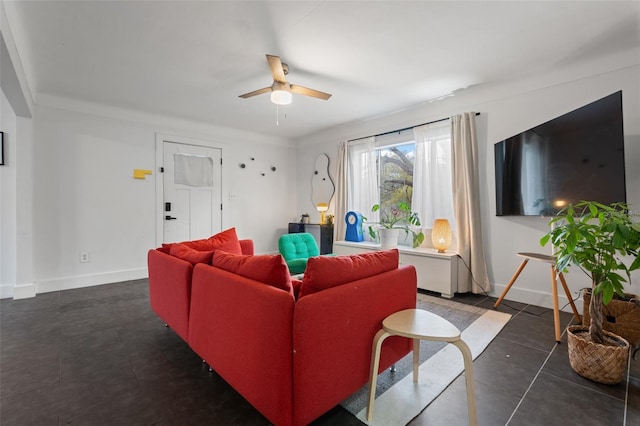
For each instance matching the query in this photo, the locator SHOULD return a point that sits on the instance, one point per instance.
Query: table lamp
(441, 235)
(322, 208)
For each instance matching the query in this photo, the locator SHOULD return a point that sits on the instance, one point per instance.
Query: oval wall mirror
(322, 187)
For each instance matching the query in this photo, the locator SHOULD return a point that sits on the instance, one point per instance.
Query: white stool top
(421, 324)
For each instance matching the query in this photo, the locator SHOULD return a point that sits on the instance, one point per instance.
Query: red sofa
(294, 359)
(170, 275)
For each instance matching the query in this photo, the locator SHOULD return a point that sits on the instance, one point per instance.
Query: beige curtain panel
(466, 200)
(339, 226)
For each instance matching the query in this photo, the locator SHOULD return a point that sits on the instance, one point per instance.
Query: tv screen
(577, 156)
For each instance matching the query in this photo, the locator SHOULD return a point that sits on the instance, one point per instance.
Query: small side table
(418, 324)
(554, 288)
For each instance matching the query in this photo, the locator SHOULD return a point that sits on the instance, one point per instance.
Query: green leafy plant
(399, 217)
(597, 238)
(329, 220)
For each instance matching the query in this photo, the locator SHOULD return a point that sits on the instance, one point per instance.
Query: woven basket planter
(601, 363)
(621, 317)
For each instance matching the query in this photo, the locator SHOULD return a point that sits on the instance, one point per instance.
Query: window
(412, 166)
(395, 175)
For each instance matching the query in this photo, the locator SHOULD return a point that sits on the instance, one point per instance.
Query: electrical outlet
(84, 258)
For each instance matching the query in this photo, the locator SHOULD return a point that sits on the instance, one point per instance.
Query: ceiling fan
(281, 90)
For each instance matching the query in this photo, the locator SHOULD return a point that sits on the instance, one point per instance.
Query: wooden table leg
(416, 359)
(513, 280)
(556, 308)
(375, 365)
(468, 377)
(568, 293)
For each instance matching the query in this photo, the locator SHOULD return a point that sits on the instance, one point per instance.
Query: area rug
(398, 399)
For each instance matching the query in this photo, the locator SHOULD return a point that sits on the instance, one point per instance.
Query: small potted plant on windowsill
(604, 241)
(398, 218)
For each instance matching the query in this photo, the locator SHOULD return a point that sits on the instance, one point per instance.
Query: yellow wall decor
(140, 173)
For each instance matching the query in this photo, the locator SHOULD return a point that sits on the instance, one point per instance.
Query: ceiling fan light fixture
(281, 97)
(281, 90)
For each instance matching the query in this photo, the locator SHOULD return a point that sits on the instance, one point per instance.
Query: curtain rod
(402, 130)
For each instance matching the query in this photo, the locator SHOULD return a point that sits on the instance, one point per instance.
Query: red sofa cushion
(165, 248)
(184, 252)
(245, 245)
(267, 268)
(201, 251)
(330, 271)
(226, 240)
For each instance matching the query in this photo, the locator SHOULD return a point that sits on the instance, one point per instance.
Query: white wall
(507, 110)
(8, 220)
(16, 229)
(16, 243)
(86, 200)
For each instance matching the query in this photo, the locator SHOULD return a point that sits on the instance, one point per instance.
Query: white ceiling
(192, 59)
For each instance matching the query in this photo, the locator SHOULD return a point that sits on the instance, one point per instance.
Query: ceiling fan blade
(256, 92)
(309, 92)
(276, 68)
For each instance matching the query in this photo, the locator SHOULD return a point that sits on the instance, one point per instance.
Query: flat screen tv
(577, 156)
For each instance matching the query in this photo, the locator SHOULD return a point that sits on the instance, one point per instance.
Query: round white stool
(418, 324)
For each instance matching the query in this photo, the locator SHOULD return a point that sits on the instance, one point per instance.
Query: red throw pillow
(267, 268)
(296, 284)
(324, 272)
(184, 252)
(165, 248)
(226, 240)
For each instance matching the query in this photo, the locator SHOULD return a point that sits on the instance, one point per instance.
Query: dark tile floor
(99, 356)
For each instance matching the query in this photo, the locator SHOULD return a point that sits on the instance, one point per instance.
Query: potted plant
(397, 218)
(603, 241)
(329, 221)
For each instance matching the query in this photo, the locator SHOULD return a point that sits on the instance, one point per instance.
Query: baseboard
(537, 298)
(24, 291)
(70, 283)
(6, 291)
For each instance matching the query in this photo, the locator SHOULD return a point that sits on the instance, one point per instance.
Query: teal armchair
(296, 249)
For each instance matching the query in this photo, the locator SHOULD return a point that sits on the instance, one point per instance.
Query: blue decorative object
(354, 227)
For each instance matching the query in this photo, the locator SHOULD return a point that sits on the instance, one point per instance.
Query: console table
(439, 272)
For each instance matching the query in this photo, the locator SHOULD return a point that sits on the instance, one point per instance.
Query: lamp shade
(281, 97)
(322, 207)
(441, 235)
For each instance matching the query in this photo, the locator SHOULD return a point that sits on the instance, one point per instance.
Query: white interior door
(192, 191)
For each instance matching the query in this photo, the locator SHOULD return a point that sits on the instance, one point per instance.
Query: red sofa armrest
(333, 332)
(170, 290)
(246, 246)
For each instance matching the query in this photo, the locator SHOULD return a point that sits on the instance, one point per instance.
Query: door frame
(161, 138)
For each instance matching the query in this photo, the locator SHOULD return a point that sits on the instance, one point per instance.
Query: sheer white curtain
(432, 173)
(341, 203)
(363, 192)
(466, 200)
